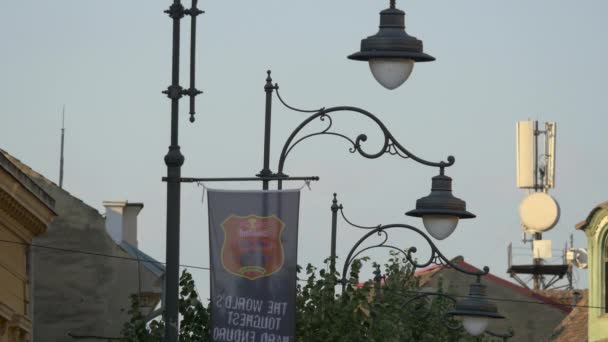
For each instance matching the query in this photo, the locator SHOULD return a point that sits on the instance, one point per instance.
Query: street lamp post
(391, 54)
(174, 161)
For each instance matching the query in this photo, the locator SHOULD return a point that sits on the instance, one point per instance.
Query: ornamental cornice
(597, 223)
(25, 180)
(16, 213)
(19, 329)
(15, 334)
(15, 327)
(6, 315)
(591, 223)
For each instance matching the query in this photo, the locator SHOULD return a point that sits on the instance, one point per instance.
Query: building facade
(531, 316)
(596, 229)
(25, 212)
(86, 267)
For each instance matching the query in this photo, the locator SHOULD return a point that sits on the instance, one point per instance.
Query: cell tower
(539, 212)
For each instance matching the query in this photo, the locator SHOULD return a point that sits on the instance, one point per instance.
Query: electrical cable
(97, 254)
(302, 280)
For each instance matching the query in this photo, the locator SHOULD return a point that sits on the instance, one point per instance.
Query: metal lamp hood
(476, 304)
(391, 41)
(441, 201)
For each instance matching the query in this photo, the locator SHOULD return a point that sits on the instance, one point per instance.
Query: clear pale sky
(497, 62)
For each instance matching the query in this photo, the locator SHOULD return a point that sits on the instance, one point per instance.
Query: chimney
(121, 220)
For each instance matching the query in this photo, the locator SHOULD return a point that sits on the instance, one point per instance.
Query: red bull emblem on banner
(252, 246)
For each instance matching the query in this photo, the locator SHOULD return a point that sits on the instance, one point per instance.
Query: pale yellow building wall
(597, 237)
(13, 279)
(23, 215)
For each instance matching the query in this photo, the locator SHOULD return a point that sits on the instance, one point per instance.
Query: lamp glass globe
(391, 72)
(475, 325)
(440, 226)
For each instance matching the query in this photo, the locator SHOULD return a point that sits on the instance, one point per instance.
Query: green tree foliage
(367, 312)
(194, 324)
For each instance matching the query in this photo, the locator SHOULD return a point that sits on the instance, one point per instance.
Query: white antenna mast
(539, 212)
(62, 143)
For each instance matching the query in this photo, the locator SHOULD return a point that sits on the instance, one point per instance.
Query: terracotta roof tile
(426, 274)
(573, 328)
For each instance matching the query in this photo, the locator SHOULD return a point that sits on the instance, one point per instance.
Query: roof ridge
(434, 269)
(149, 262)
(40, 177)
(9, 163)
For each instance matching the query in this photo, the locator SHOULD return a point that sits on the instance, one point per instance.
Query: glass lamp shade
(391, 72)
(440, 226)
(475, 325)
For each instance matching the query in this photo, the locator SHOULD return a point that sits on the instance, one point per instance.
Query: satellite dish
(580, 258)
(539, 212)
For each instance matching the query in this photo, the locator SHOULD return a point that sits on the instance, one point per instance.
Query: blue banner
(253, 239)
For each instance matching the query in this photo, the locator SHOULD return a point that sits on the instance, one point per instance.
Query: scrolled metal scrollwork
(276, 88)
(392, 150)
(389, 146)
(325, 131)
(341, 209)
(436, 257)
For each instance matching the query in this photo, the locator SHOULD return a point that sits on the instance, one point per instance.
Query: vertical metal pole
(192, 92)
(378, 283)
(174, 161)
(192, 60)
(268, 88)
(334, 232)
(61, 155)
(537, 277)
(536, 236)
(536, 133)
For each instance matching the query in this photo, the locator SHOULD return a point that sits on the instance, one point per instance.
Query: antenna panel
(526, 161)
(550, 153)
(542, 249)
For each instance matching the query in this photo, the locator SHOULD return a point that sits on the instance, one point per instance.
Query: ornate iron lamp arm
(390, 145)
(436, 256)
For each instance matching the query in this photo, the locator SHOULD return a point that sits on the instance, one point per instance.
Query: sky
(497, 63)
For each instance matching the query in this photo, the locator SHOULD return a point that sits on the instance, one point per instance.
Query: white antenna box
(550, 128)
(526, 154)
(542, 249)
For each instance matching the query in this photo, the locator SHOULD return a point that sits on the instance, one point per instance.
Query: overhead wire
(98, 254)
(303, 280)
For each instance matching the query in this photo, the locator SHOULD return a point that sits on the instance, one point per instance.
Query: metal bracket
(176, 11)
(243, 179)
(174, 92)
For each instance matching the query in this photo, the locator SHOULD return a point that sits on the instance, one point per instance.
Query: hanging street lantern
(391, 53)
(440, 210)
(475, 310)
